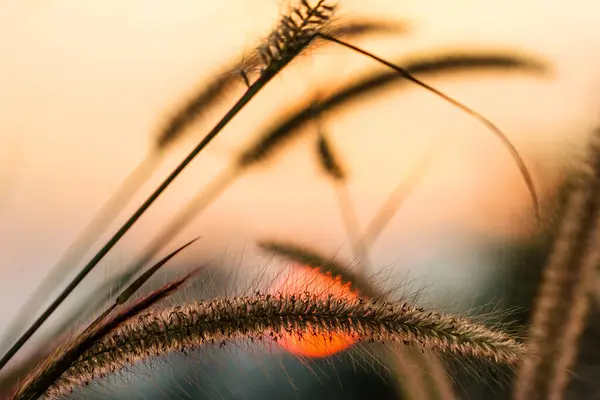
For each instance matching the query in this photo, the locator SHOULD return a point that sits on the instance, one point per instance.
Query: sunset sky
(85, 84)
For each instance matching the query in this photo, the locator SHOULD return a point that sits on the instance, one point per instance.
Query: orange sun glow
(316, 344)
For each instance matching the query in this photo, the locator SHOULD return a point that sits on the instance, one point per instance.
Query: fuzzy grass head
(318, 316)
(322, 309)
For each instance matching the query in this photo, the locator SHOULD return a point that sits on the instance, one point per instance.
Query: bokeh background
(84, 86)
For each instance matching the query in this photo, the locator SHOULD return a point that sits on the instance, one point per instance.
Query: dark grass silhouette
(563, 301)
(154, 331)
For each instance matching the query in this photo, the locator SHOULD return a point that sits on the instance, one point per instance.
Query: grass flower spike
(268, 317)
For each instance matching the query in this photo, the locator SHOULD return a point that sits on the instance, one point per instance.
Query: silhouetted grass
(143, 329)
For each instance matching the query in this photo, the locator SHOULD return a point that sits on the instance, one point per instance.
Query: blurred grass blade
(562, 303)
(135, 285)
(48, 371)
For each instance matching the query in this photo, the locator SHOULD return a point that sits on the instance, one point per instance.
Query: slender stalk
(250, 93)
(201, 200)
(398, 196)
(82, 244)
(492, 127)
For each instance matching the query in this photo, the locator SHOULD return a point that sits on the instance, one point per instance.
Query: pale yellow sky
(84, 84)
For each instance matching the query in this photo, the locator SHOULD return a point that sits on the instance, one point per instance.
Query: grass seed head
(266, 317)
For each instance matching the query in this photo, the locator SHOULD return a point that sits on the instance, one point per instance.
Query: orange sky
(85, 83)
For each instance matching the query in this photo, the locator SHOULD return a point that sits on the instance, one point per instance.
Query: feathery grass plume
(291, 126)
(267, 317)
(420, 372)
(292, 36)
(562, 302)
(52, 367)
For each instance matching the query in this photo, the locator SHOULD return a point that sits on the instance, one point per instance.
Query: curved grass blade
(49, 370)
(486, 122)
(135, 285)
(266, 145)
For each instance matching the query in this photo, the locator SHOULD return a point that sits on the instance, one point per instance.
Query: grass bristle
(404, 338)
(267, 317)
(415, 371)
(294, 33)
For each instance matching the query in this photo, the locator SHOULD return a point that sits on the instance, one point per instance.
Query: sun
(315, 344)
